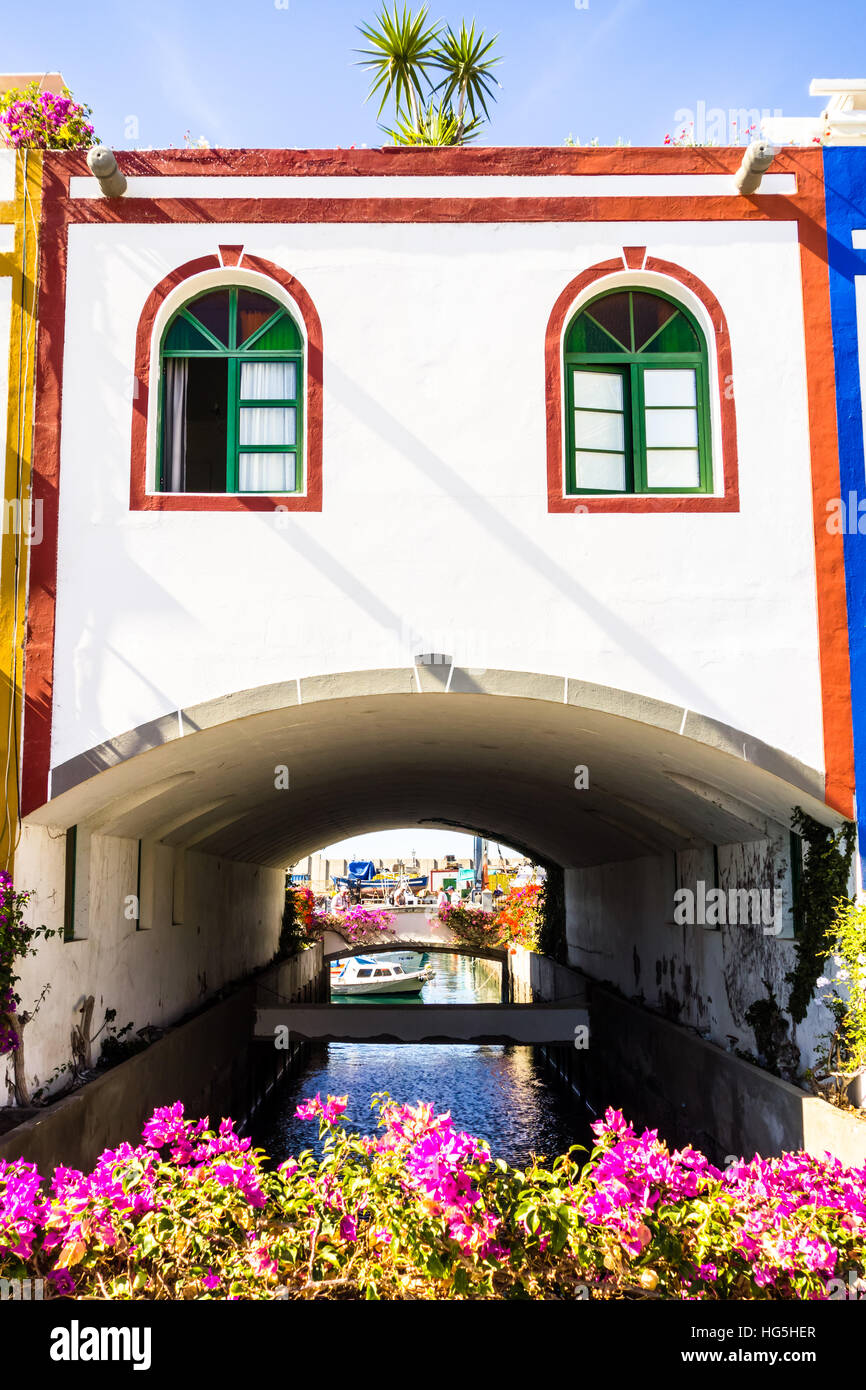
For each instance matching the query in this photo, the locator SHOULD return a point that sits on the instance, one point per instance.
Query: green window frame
(276, 340)
(627, 334)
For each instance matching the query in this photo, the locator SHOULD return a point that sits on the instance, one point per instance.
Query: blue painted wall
(845, 178)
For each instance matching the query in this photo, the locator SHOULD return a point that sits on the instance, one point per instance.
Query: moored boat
(366, 975)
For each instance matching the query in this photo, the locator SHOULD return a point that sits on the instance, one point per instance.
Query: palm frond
(466, 61)
(402, 50)
(435, 126)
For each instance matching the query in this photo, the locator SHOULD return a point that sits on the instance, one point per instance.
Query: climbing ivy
(551, 938)
(777, 1052)
(824, 881)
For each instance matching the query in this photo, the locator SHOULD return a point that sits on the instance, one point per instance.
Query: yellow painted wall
(18, 265)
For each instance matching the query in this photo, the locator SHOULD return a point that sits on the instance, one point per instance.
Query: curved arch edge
(557, 499)
(139, 497)
(293, 694)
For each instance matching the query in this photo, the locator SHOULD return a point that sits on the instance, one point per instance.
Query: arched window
(231, 392)
(637, 399)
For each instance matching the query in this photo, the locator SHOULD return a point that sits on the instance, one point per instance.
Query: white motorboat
(410, 960)
(369, 975)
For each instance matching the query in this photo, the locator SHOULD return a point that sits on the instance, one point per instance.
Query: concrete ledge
(425, 1023)
(202, 1063)
(665, 1077)
(209, 1063)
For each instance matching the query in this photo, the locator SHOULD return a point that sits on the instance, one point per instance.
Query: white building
(386, 488)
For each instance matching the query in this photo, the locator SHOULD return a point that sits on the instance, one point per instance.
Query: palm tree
(468, 71)
(402, 51)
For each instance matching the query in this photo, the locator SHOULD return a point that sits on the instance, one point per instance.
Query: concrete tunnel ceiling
(376, 750)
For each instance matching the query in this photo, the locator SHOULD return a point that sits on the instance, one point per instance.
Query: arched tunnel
(372, 750)
(197, 816)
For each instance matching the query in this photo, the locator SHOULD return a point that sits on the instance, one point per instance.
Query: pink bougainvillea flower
(333, 1108)
(309, 1109)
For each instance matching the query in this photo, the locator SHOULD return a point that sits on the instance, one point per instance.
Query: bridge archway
(493, 752)
(442, 948)
(222, 797)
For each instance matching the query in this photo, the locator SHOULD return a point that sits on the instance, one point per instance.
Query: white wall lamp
(103, 165)
(756, 161)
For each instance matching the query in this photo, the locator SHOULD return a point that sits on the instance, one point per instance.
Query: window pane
(183, 337)
(586, 336)
(672, 428)
(268, 381)
(598, 390)
(596, 429)
(283, 337)
(254, 310)
(650, 312)
(670, 386)
(267, 472)
(201, 419)
(603, 471)
(672, 468)
(267, 426)
(612, 313)
(213, 311)
(676, 336)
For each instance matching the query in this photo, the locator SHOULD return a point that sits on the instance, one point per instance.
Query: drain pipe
(103, 165)
(756, 161)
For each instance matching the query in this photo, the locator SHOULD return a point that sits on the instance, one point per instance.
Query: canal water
(502, 1093)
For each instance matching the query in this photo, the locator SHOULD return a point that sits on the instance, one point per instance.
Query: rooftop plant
(405, 57)
(32, 119)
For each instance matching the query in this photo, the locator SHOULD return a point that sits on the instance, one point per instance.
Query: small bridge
(281, 1021)
(421, 945)
(423, 1023)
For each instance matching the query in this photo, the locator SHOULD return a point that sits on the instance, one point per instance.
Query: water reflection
(501, 1092)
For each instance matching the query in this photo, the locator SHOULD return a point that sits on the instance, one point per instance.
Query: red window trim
(140, 500)
(633, 258)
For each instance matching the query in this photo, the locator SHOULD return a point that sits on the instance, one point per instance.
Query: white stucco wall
(435, 533)
(622, 930)
(153, 976)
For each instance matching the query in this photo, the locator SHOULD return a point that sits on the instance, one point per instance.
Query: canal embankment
(210, 1062)
(664, 1076)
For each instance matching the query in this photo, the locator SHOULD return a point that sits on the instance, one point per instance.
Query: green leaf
(401, 52)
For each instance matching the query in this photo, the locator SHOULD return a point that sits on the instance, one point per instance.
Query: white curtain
(267, 381)
(269, 425)
(266, 473)
(174, 402)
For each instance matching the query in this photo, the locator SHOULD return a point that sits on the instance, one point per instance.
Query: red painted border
(557, 499)
(140, 500)
(805, 207)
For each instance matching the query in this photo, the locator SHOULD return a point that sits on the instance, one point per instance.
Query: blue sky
(392, 845)
(279, 72)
